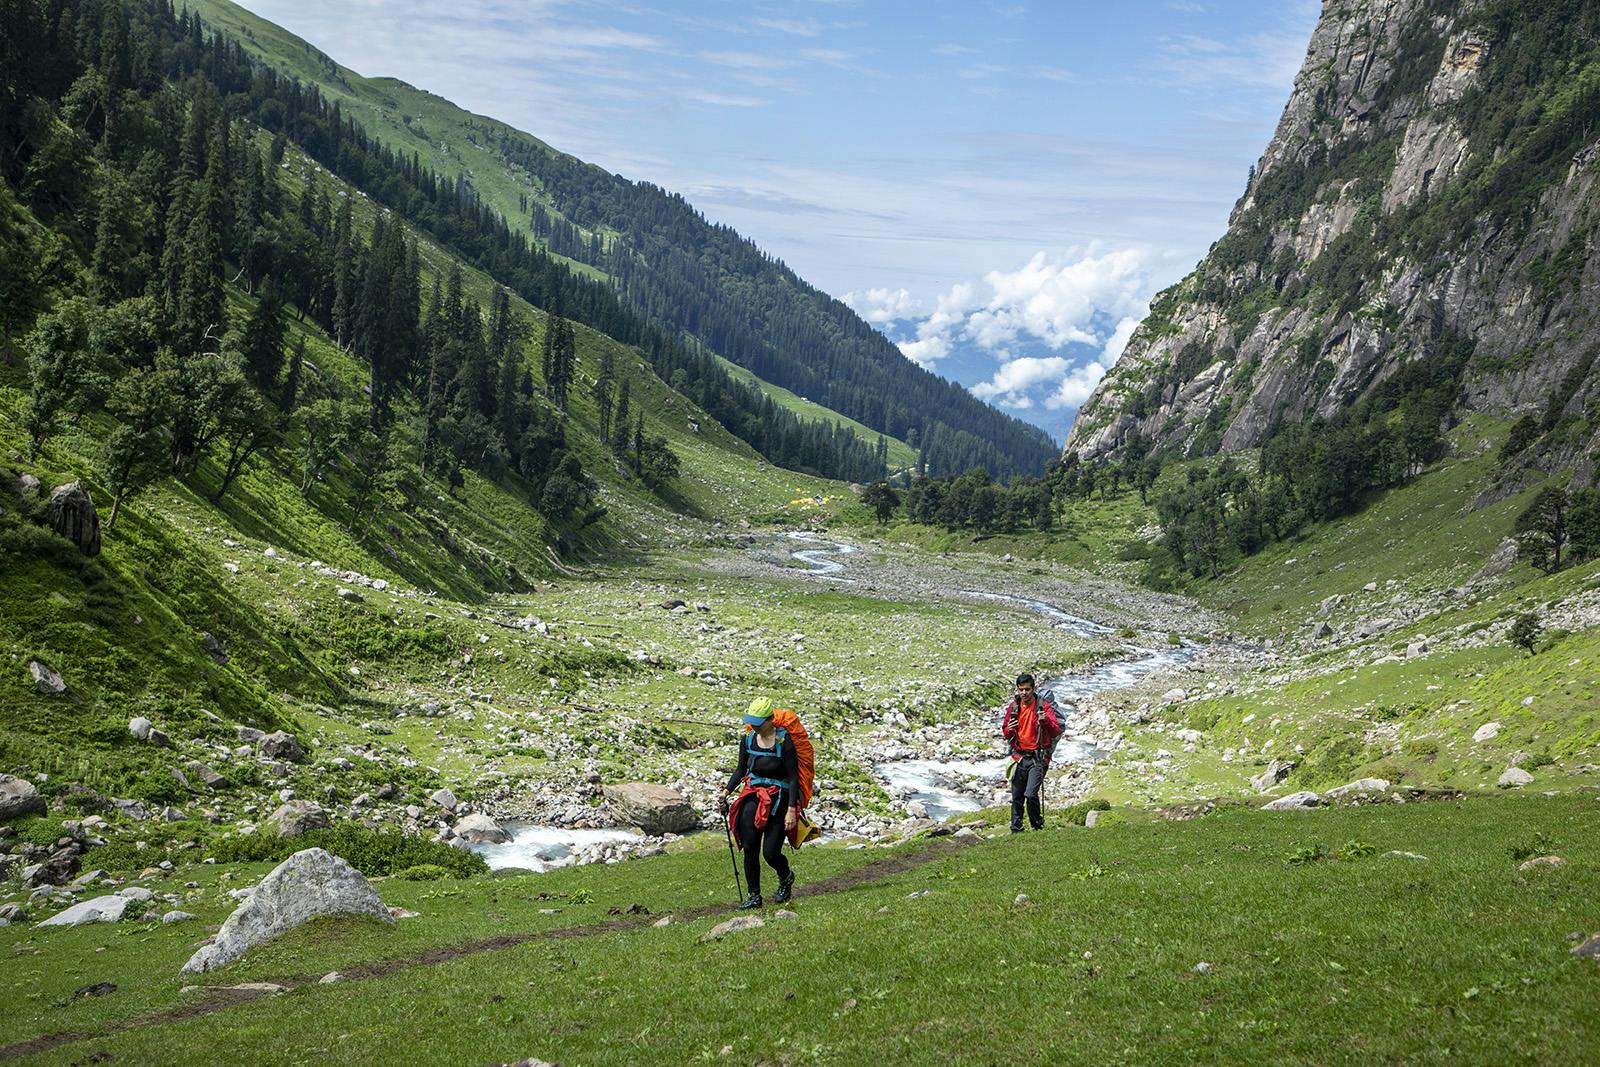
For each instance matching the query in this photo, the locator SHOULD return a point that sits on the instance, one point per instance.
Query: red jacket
(1049, 724)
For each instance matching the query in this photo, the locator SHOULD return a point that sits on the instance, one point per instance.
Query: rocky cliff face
(1434, 181)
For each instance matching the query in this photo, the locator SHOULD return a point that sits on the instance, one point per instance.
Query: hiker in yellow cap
(767, 808)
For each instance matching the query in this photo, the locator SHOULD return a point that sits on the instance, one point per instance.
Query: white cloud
(1076, 387)
(715, 99)
(1051, 300)
(1056, 299)
(1118, 341)
(925, 352)
(1011, 383)
(882, 306)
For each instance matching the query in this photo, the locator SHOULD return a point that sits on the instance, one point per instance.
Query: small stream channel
(945, 787)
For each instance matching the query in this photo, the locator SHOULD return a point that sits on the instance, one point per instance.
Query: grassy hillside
(1221, 939)
(125, 628)
(901, 455)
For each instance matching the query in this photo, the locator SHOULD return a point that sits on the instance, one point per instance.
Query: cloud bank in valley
(1046, 331)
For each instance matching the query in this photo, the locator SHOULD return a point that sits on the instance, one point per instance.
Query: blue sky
(1000, 187)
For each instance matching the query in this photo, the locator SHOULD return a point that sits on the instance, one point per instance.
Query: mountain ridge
(699, 279)
(1432, 170)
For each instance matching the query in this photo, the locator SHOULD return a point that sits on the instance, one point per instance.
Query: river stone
(481, 830)
(282, 746)
(308, 884)
(733, 926)
(655, 809)
(18, 797)
(72, 515)
(99, 910)
(1276, 772)
(46, 682)
(1360, 785)
(1514, 777)
(1294, 802)
(297, 817)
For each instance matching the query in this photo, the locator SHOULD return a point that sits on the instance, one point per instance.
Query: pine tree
(602, 394)
(620, 425)
(262, 342)
(291, 384)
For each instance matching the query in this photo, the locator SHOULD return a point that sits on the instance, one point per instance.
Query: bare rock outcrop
(309, 884)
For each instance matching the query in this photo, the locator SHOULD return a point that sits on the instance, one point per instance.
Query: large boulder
(655, 809)
(18, 797)
(1294, 802)
(1358, 787)
(282, 746)
(99, 910)
(297, 817)
(309, 884)
(46, 682)
(481, 830)
(1276, 772)
(1513, 778)
(72, 515)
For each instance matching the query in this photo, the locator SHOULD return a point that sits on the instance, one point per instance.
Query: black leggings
(767, 842)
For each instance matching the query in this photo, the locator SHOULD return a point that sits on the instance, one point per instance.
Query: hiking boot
(1016, 828)
(751, 901)
(785, 890)
(1038, 825)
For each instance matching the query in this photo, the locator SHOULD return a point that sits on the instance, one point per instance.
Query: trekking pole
(738, 883)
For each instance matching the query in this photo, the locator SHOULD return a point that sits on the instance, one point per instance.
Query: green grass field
(1354, 958)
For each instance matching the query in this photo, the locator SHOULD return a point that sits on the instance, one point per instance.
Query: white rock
(99, 910)
(1360, 785)
(308, 884)
(140, 727)
(1514, 777)
(481, 829)
(733, 926)
(1487, 732)
(1294, 802)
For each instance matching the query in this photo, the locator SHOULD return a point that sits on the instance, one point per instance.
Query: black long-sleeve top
(785, 766)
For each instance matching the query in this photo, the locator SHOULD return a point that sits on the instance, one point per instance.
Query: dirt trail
(218, 998)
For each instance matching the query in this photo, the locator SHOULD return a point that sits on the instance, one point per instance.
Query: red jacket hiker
(1031, 727)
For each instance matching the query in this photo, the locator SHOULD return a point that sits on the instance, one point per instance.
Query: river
(944, 787)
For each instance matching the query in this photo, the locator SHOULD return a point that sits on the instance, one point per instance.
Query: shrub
(1306, 854)
(1078, 813)
(372, 852)
(423, 872)
(1538, 845)
(1353, 850)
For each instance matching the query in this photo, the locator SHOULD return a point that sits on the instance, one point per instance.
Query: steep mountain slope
(691, 277)
(1431, 200)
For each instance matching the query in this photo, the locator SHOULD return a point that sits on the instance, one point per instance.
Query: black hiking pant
(766, 842)
(1025, 783)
